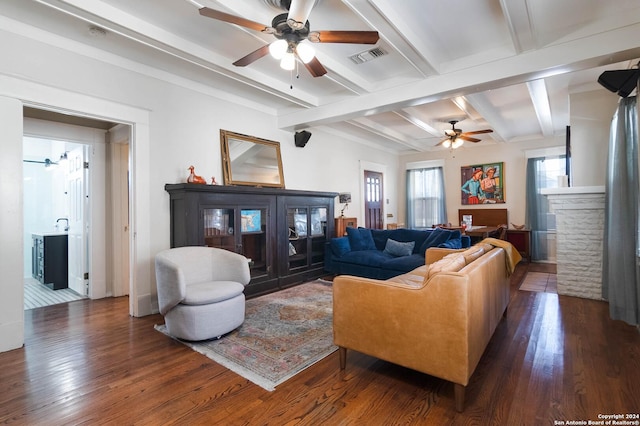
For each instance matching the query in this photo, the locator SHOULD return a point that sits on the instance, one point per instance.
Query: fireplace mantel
(580, 227)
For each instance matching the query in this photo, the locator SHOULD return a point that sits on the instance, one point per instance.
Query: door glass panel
(219, 228)
(319, 233)
(298, 232)
(254, 239)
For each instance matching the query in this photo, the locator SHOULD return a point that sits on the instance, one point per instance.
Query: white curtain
(425, 198)
(620, 271)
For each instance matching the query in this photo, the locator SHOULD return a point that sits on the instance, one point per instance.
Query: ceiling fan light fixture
(305, 52)
(457, 143)
(288, 61)
(446, 143)
(278, 49)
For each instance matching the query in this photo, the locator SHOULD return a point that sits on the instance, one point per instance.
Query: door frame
(40, 96)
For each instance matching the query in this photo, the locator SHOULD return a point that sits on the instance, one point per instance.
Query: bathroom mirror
(250, 161)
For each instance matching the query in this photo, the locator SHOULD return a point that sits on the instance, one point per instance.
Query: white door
(77, 180)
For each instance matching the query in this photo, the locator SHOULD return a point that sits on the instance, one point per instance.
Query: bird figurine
(194, 178)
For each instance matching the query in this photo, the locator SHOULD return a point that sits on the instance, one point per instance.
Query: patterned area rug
(283, 333)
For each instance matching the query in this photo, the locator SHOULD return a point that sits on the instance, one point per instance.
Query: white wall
(11, 256)
(591, 114)
(44, 192)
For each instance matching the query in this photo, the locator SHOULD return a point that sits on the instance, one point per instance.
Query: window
(542, 172)
(425, 198)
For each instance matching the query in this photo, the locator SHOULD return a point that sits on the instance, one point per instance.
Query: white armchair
(200, 291)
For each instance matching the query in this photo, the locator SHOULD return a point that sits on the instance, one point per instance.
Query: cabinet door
(318, 224)
(219, 226)
(298, 230)
(306, 223)
(247, 229)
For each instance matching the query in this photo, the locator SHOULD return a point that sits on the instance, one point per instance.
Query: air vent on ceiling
(368, 55)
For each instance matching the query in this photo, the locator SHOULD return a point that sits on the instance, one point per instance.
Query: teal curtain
(620, 271)
(536, 209)
(542, 172)
(426, 205)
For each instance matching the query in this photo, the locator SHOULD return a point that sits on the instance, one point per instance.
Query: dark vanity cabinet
(281, 232)
(50, 260)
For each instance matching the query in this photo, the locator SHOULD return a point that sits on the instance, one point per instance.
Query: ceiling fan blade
(477, 132)
(252, 57)
(467, 138)
(232, 19)
(299, 11)
(442, 141)
(355, 37)
(315, 68)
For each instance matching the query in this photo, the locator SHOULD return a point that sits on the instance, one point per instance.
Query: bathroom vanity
(50, 259)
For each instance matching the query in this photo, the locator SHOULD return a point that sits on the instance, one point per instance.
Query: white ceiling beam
(394, 32)
(518, 19)
(385, 132)
(597, 50)
(481, 104)
(418, 122)
(540, 99)
(333, 130)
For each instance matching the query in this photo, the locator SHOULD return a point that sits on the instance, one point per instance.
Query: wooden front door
(373, 200)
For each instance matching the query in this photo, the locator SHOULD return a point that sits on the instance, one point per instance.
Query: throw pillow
(340, 246)
(360, 239)
(397, 248)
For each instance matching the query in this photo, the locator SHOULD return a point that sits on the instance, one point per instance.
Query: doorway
(373, 200)
(83, 200)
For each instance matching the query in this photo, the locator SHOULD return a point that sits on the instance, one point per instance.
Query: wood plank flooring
(554, 358)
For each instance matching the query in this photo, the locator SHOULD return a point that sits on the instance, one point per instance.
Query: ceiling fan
(292, 30)
(456, 137)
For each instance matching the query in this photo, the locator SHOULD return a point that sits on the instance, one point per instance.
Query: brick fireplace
(580, 228)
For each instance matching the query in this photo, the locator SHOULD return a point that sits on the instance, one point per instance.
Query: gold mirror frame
(250, 161)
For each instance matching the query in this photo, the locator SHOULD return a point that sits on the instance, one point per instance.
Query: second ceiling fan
(292, 30)
(456, 137)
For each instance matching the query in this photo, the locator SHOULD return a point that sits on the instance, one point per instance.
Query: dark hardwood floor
(554, 358)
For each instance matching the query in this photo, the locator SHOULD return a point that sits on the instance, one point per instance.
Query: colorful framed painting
(482, 184)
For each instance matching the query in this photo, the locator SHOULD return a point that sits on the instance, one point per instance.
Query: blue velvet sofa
(382, 254)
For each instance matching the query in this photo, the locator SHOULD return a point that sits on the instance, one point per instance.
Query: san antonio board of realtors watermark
(631, 419)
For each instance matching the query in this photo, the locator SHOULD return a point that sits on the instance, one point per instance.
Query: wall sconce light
(63, 158)
(344, 198)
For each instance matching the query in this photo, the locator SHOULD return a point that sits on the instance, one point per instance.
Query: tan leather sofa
(437, 319)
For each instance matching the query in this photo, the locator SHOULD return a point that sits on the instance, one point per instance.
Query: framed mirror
(250, 161)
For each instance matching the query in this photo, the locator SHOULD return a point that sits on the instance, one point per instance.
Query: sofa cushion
(360, 239)
(435, 238)
(373, 258)
(450, 263)
(205, 293)
(403, 263)
(380, 237)
(340, 246)
(397, 248)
